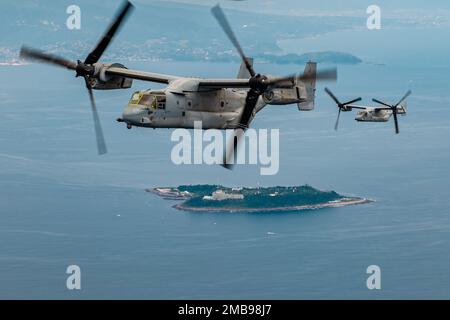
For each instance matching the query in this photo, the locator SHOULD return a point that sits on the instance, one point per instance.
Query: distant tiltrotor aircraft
(380, 113)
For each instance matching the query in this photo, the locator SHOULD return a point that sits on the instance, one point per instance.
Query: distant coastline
(13, 63)
(325, 57)
(152, 36)
(331, 57)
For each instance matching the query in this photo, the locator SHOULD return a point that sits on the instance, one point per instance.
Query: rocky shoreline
(335, 204)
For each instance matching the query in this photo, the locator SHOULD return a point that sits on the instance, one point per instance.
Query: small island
(216, 198)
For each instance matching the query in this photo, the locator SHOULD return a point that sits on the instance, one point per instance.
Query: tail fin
(243, 72)
(310, 87)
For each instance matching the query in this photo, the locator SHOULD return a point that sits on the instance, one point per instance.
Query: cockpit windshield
(135, 98)
(149, 100)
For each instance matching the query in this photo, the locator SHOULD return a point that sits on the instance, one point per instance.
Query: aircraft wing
(355, 107)
(224, 83)
(140, 75)
(166, 79)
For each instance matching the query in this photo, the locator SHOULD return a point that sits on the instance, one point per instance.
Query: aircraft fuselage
(216, 109)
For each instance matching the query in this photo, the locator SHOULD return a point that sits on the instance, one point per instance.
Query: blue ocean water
(61, 204)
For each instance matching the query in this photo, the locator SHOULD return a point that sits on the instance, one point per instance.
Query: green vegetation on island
(213, 198)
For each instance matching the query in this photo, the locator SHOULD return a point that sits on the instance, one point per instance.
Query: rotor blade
(101, 145)
(322, 75)
(331, 94)
(95, 55)
(221, 18)
(232, 150)
(41, 56)
(290, 81)
(250, 105)
(394, 111)
(382, 103)
(336, 127)
(404, 98)
(353, 101)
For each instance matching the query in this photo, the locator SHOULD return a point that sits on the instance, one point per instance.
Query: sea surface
(61, 204)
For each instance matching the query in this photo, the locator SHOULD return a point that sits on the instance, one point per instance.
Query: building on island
(171, 193)
(221, 195)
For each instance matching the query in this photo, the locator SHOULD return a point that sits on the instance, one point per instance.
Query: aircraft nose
(131, 115)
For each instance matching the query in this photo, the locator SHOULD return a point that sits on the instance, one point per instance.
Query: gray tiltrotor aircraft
(217, 103)
(372, 114)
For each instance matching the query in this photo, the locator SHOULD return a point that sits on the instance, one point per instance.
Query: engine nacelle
(297, 94)
(106, 82)
(285, 96)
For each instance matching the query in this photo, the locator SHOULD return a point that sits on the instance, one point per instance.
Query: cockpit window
(158, 102)
(154, 101)
(135, 98)
(147, 100)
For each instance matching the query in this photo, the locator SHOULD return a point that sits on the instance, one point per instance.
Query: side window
(161, 102)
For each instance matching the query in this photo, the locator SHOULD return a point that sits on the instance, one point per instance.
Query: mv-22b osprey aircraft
(217, 103)
(380, 113)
